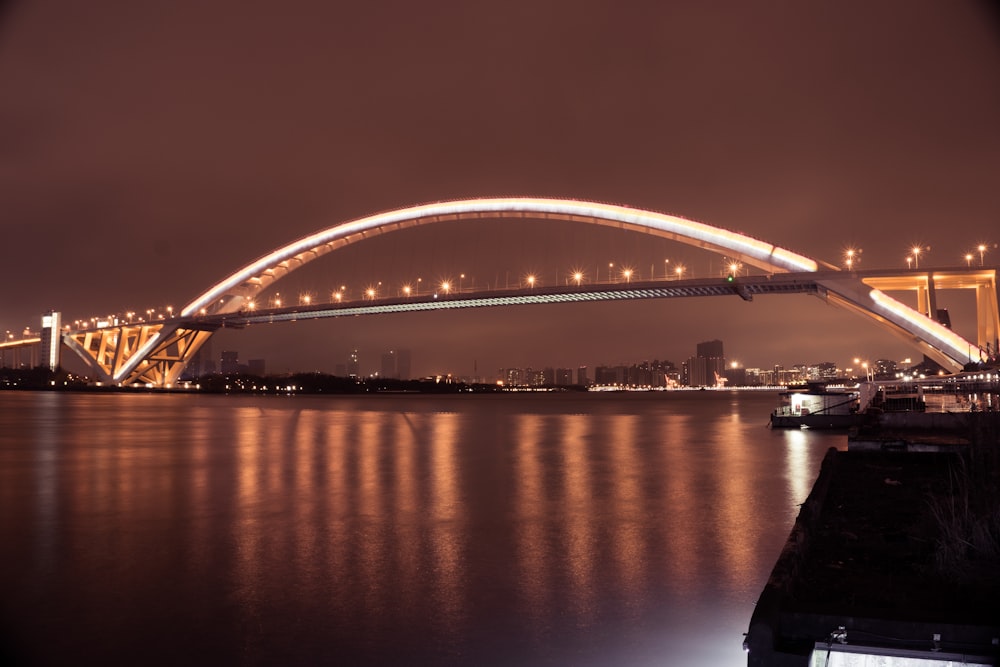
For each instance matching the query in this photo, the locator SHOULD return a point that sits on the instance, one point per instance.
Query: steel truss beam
(154, 354)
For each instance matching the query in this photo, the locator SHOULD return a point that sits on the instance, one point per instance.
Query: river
(519, 529)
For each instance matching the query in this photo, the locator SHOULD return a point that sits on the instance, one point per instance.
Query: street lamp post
(968, 259)
(982, 253)
(849, 258)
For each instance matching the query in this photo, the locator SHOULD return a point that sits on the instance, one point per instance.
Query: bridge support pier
(153, 354)
(927, 298)
(988, 317)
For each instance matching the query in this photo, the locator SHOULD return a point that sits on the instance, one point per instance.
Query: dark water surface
(575, 529)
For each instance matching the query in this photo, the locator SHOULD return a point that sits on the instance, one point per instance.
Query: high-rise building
(353, 364)
(710, 349)
(581, 376)
(51, 344)
(206, 358)
(229, 362)
(403, 364)
(513, 377)
(388, 369)
(708, 366)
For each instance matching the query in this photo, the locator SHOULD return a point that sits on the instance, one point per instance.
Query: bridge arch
(158, 355)
(234, 291)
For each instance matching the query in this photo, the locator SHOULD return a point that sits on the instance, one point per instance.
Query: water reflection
(628, 521)
(575, 446)
(447, 532)
(499, 530)
(532, 535)
(800, 477)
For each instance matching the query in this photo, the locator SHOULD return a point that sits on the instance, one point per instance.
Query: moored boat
(818, 407)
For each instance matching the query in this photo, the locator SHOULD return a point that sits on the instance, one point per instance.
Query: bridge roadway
(155, 353)
(745, 287)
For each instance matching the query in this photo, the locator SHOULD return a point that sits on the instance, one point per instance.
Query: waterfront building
(708, 366)
(564, 376)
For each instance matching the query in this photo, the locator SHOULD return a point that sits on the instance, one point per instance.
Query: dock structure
(875, 570)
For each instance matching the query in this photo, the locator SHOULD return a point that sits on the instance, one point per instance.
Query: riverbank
(894, 553)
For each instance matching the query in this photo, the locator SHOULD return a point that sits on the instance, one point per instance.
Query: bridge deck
(744, 287)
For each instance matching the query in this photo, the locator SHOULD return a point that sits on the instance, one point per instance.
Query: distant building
(822, 371)
(697, 372)
(353, 364)
(513, 377)
(581, 376)
(611, 375)
(564, 377)
(388, 366)
(403, 364)
(710, 349)
(51, 344)
(201, 362)
(708, 365)
(884, 368)
(229, 362)
(736, 376)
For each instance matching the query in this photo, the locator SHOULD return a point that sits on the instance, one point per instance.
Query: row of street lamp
(446, 287)
(852, 256)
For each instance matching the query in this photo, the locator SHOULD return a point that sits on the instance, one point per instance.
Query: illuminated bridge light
(230, 297)
(259, 274)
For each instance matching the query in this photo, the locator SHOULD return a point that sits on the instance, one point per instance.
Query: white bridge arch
(157, 354)
(233, 292)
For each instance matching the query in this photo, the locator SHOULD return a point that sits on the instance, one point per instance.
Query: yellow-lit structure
(156, 353)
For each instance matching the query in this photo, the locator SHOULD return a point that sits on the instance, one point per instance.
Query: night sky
(149, 149)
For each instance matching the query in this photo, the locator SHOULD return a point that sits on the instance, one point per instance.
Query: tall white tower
(51, 340)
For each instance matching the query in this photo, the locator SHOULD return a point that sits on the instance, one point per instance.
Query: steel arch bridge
(156, 353)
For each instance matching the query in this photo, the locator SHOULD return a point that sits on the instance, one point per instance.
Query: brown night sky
(148, 149)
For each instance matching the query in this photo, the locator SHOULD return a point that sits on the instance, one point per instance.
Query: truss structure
(153, 354)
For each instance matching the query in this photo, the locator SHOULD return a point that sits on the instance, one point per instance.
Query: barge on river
(818, 407)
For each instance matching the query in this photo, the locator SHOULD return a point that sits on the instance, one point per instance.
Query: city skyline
(370, 363)
(138, 173)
